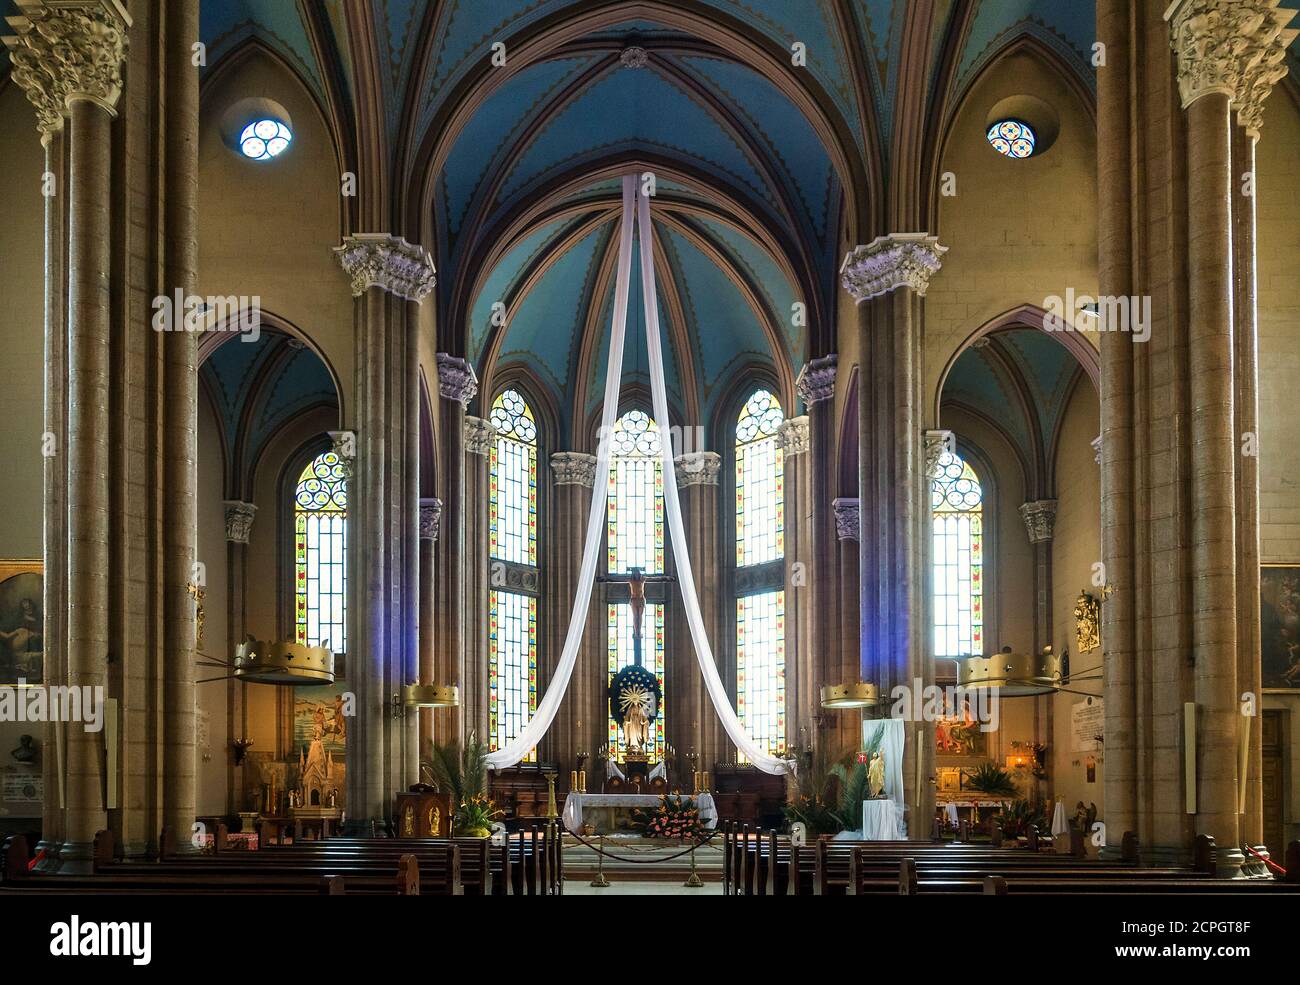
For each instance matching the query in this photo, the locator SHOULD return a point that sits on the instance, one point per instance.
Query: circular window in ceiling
(263, 139)
(1012, 138)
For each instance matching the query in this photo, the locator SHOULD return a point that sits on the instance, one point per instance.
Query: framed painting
(1279, 623)
(318, 714)
(22, 622)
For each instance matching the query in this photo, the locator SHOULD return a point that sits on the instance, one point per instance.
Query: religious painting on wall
(22, 633)
(960, 735)
(1279, 612)
(318, 713)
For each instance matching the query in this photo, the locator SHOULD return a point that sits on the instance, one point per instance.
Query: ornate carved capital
(847, 519)
(456, 379)
(344, 445)
(478, 436)
(816, 380)
(698, 468)
(430, 518)
(389, 263)
(890, 262)
(1040, 519)
(1234, 47)
(573, 468)
(68, 49)
(936, 443)
(1096, 448)
(633, 56)
(792, 436)
(239, 520)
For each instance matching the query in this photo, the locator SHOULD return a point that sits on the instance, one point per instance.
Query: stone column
(888, 278)
(390, 277)
(694, 724)
(430, 524)
(580, 725)
(1257, 82)
(239, 518)
(69, 60)
(457, 386)
(31, 63)
(816, 388)
(841, 664)
(478, 578)
(1040, 521)
(803, 699)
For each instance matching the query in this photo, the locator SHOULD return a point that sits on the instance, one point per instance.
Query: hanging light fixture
(859, 695)
(431, 696)
(284, 664)
(1013, 675)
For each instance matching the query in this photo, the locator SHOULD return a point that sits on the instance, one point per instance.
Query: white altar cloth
(575, 802)
(882, 821)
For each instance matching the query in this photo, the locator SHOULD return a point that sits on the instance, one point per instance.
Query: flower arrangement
(675, 819)
(474, 817)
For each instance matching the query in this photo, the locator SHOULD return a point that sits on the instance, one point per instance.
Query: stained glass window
(760, 477)
(760, 669)
(512, 669)
(635, 512)
(1012, 138)
(652, 658)
(760, 539)
(320, 523)
(512, 482)
(512, 538)
(957, 503)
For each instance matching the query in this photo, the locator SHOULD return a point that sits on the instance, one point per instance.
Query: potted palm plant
(463, 774)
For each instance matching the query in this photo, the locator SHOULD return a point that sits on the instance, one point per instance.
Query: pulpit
(424, 814)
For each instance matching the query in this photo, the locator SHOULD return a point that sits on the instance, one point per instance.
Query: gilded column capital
(792, 436)
(890, 262)
(1040, 519)
(430, 517)
(847, 518)
(1234, 47)
(64, 50)
(456, 379)
(816, 380)
(936, 443)
(239, 520)
(478, 436)
(698, 468)
(573, 468)
(389, 263)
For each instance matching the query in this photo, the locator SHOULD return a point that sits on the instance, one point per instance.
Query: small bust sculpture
(26, 751)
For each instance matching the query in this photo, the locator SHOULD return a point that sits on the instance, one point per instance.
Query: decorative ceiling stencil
(1068, 27)
(226, 24)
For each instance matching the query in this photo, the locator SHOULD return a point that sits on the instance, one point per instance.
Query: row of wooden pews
(528, 863)
(758, 863)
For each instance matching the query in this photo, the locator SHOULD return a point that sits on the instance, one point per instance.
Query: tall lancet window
(635, 539)
(512, 540)
(957, 502)
(760, 549)
(320, 549)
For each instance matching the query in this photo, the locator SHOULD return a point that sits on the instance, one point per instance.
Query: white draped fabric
(541, 721)
(892, 737)
(550, 703)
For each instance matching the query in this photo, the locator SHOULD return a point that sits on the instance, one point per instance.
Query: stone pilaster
(457, 386)
(580, 724)
(888, 278)
(843, 664)
(239, 517)
(478, 439)
(430, 527)
(694, 724)
(389, 277)
(1040, 521)
(803, 700)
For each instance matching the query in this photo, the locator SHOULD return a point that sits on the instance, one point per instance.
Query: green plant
(1016, 818)
(852, 777)
(814, 800)
(474, 817)
(991, 779)
(463, 774)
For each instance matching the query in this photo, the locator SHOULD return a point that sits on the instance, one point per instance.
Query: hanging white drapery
(672, 507)
(541, 721)
(537, 726)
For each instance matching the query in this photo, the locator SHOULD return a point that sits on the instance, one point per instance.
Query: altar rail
(758, 863)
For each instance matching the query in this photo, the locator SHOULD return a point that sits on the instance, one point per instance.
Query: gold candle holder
(573, 780)
(582, 781)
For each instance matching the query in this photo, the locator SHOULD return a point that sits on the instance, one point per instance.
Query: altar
(611, 813)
